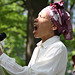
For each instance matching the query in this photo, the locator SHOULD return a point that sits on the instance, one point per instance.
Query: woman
(50, 55)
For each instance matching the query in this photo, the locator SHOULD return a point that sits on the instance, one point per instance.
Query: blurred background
(16, 20)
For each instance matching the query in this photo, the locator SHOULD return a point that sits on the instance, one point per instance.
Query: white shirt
(49, 58)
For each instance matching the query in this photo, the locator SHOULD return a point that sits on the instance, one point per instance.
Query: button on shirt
(49, 58)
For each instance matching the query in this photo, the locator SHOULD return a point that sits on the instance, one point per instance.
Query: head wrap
(60, 18)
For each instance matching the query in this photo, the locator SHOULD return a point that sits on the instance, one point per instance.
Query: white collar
(49, 41)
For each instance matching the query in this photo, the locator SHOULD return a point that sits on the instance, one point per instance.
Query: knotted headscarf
(60, 18)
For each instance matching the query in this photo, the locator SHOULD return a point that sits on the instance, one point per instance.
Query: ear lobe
(54, 28)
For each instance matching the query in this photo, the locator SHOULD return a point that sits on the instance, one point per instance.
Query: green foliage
(14, 24)
(70, 44)
(72, 1)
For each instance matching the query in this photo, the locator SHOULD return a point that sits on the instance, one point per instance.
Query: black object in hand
(2, 36)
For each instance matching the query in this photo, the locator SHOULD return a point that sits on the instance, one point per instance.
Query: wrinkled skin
(43, 27)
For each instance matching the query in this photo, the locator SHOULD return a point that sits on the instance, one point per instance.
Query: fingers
(1, 52)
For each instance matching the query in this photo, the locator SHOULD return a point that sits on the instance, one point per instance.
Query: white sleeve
(12, 67)
(50, 64)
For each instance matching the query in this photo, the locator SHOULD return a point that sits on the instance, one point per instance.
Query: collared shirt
(49, 58)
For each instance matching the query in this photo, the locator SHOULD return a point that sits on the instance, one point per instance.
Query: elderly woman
(50, 55)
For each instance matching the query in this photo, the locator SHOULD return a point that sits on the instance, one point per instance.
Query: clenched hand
(1, 52)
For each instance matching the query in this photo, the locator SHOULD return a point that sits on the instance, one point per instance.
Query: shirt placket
(37, 57)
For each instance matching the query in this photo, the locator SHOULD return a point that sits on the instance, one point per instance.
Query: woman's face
(42, 25)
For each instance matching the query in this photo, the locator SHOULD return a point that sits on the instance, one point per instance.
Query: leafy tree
(33, 7)
(14, 24)
(19, 28)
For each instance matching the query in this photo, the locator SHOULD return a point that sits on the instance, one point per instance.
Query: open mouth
(35, 28)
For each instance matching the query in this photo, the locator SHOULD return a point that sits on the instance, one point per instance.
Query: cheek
(44, 29)
(45, 26)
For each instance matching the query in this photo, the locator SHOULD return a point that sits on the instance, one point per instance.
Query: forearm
(11, 66)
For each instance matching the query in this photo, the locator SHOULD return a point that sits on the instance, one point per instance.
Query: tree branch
(69, 9)
(22, 5)
(16, 1)
(19, 33)
(16, 11)
(10, 2)
(72, 6)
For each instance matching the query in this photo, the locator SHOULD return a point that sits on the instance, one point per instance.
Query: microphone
(2, 36)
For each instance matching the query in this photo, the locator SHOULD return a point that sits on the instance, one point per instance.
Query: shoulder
(58, 47)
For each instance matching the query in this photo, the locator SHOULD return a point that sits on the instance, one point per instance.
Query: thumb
(1, 52)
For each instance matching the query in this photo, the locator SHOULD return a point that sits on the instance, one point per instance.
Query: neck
(46, 37)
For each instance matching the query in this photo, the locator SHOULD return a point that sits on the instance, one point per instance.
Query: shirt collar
(49, 41)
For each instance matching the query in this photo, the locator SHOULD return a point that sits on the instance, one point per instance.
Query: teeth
(35, 27)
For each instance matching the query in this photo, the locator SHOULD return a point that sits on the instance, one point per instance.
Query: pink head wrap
(60, 18)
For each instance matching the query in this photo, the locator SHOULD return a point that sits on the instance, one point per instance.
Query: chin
(37, 36)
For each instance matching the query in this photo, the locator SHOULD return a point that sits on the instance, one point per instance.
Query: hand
(74, 66)
(1, 52)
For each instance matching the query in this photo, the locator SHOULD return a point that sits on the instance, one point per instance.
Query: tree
(19, 28)
(14, 25)
(19, 6)
(34, 6)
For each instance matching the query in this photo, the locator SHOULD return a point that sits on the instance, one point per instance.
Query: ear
(54, 28)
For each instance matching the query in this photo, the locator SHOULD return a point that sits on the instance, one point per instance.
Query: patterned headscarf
(60, 18)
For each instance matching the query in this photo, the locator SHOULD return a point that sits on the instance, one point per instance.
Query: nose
(36, 19)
